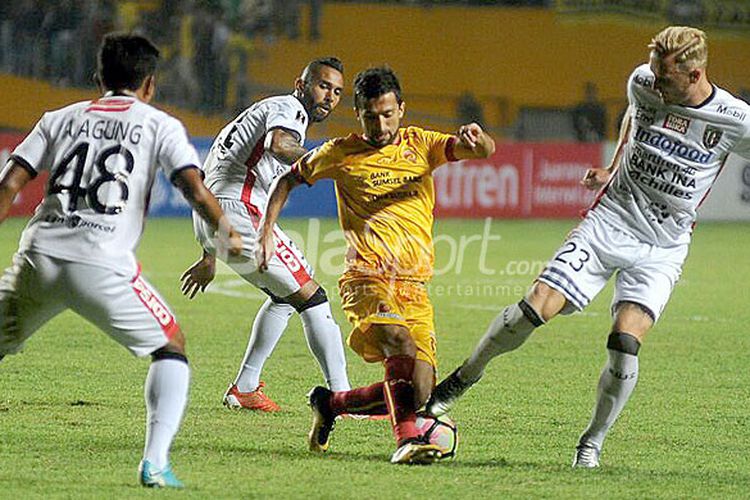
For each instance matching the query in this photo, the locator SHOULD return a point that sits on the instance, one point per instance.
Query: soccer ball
(440, 431)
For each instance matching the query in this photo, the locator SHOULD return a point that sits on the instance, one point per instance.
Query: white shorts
(595, 250)
(288, 269)
(38, 287)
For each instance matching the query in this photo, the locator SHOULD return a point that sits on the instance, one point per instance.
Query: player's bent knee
(274, 298)
(530, 313)
(513, 326)
(627, 305)
(623, 342)
(545, 300)
(394, 340)
(176, 342)
(634, 318)
(176, 346)
(317, 298)
(166, 353)
(310, 295)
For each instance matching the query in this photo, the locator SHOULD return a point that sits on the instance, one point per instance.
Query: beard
(319, 114)
(381, 140)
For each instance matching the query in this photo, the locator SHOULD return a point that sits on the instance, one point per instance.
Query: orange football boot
(254, 400)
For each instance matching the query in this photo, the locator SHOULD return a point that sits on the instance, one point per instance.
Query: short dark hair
(313, 67)
(125, 60)
(374, 82)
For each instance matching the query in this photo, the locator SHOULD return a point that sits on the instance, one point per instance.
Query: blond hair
(687, 45)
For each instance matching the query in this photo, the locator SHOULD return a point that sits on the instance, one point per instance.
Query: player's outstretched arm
(285, 146)
(473, 142)
(595, 178)
(279, 194)
(14, 178)
(190, 183)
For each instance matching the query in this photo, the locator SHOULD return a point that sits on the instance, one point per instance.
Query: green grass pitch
(72, 411)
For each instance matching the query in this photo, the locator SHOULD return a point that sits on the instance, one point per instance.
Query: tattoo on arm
(285, 147)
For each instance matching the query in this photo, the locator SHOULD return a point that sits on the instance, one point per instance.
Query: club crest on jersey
(711, 136)
(300, 117)
(676, 123)
(409, 155)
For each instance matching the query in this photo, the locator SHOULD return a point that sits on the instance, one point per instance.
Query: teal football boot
(151, 477)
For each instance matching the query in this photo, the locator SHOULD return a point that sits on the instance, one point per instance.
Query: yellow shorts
(377, 301)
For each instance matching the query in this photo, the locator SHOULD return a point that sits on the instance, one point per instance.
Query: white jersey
(239, 165)
(671, 159)
(102, 157)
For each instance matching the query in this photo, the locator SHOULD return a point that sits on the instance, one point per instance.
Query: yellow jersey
(385, 198)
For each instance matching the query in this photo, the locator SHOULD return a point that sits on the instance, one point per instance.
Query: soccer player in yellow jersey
(386, 197)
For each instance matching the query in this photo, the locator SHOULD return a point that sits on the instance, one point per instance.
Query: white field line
(235, 288)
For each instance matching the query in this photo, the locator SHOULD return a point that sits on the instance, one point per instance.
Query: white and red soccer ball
(440, 431)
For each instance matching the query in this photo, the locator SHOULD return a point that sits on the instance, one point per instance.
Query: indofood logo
(673, 147)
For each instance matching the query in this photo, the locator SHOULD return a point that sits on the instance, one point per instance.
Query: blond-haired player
(385, 197)
(674, 140)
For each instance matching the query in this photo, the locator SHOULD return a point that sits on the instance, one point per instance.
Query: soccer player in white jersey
(674, 141)
(247, 156)
(77, 251)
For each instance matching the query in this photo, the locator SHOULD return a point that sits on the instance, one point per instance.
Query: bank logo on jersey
(676, 123)
(711, 136)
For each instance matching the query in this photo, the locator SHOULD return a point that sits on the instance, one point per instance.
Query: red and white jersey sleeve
(173, 148)
(671, 159)
(32, 151)
(102, 157)
(239, 165)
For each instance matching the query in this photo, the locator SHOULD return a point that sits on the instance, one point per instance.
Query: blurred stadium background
(546, 77)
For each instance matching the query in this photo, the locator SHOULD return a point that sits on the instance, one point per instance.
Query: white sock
(166, 392)
(616, 384)
(324, 340)
(269, 324)
(507, 332)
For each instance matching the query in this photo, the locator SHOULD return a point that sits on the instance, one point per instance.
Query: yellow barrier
(24, 100)
(507, 57)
